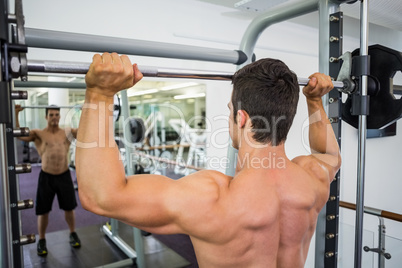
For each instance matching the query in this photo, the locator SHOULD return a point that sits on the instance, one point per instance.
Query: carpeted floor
(28, 185)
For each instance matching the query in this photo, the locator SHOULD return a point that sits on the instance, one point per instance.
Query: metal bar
(48, 84)
(119, 264)
(94, 43)
(47, 106)
(138, 241)
(381, 243)
(272, 16)
(304, 82)
(120, 243)
(374, 211)
(57, 67)
(147, 71)
(362, 141)
(5, 213)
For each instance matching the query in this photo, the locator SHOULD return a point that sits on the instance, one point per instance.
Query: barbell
(147, 71)
(116, 109)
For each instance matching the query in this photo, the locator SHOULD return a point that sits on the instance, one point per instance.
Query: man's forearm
(321, 135)
(99, 169)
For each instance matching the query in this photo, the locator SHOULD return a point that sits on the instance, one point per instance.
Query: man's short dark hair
(269, 92)
(52, 107)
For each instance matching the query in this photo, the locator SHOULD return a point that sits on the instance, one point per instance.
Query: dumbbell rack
(12, 61)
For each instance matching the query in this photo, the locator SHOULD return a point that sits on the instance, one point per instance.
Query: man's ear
(241, 118)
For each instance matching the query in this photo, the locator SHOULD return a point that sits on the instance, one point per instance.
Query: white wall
(201, 24)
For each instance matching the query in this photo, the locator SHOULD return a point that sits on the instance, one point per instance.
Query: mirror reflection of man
(53, 145)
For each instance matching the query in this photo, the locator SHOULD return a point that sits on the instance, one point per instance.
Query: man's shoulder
(210, 176)
(36, 132)
(306, 161)
(312, 166)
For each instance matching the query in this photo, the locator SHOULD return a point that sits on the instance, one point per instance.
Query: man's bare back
(261, 218)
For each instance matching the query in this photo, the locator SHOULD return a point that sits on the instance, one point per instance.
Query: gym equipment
(155, 121)
(196, 138)
(147, 71)
(361, 158)
(137, 129)
(374, 211)
(16, 66)
(47, 106)
(382, 255)
(383, 109)
(116, 111)
(85, 42)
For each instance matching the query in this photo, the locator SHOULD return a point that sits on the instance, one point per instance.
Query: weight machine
(14, 46)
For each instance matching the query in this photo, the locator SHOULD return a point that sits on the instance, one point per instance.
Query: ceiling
(387, 13)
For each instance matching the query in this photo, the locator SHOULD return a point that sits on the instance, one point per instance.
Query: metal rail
(95, 43)
(48, 106)
(373, 211)
(147, 71)
(361, 158)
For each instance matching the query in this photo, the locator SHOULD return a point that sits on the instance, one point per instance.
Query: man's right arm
(32, 134)
(323, 143)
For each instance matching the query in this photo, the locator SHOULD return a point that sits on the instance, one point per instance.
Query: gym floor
(98, 250)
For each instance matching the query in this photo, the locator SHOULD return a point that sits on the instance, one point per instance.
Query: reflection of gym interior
(175, 121)
(166, 119)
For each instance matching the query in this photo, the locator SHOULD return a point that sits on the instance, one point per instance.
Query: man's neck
(261, 156)
(53, 129)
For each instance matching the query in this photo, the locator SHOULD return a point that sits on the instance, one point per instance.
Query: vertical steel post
(138, 241)
(5, 213)
(362, 141)
(381, 243)
(6, 257)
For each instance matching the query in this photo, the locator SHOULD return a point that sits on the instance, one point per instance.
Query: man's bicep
(147, 202)
(32, 136)
(169, 206)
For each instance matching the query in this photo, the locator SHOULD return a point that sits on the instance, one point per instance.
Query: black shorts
(48, 186)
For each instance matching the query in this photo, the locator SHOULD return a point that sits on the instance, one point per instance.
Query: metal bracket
(361, 105)
(345, 74)
(361, 65)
